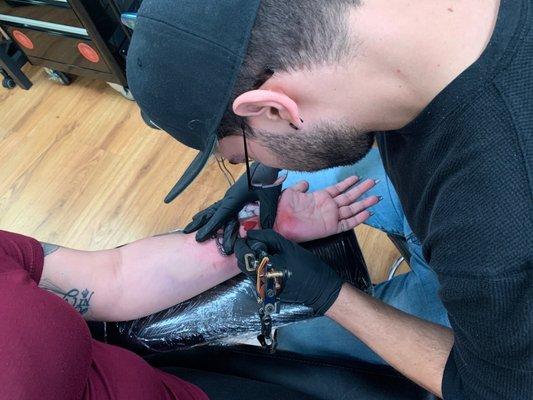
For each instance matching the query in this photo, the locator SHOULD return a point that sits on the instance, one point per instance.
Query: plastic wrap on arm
(228, 313)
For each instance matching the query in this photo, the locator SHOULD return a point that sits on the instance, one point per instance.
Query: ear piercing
(294, 126)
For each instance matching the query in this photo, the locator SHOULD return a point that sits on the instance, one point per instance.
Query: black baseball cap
(182, 65)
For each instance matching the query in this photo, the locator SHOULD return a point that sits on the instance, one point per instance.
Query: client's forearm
(159, 272)
(136, 280)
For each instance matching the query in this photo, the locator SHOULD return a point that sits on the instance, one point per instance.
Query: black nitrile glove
(223, 213)
(312, 282)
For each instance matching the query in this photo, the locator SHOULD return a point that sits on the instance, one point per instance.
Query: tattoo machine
(269, 285)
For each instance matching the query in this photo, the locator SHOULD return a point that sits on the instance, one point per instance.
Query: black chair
(320, 378)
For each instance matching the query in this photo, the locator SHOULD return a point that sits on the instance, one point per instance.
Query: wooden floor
(79, 168)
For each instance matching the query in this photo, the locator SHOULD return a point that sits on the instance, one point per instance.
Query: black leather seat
(325, 379)
(223, 368)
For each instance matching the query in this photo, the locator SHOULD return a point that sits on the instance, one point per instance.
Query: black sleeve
(492, 354)
(481, 250)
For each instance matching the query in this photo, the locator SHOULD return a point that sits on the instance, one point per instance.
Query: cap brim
(193, 170)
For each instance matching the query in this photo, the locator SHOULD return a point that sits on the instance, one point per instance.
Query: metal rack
(67, 37)
(11, 62)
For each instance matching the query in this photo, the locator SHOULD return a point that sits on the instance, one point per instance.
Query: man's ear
(274, 105)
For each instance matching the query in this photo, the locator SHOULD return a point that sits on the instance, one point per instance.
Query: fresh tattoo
(79, 299)
(49, 248)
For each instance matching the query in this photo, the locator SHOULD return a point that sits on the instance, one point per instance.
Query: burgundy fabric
(46, 351)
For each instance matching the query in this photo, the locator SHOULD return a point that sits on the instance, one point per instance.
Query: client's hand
(305, 216)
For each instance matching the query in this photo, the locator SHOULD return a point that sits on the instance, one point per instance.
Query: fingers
(356, 213)
(356, 207)
(211, 226)
(204, 233)
(301, 187)
(349, 197)
(201, 218)
(193, 226)
(340, 187)
(350, 223)
(231, 232)
(198, 221)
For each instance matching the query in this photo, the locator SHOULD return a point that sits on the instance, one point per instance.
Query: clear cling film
(224, 314)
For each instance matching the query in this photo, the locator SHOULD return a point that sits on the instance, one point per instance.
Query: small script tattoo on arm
(79, 299)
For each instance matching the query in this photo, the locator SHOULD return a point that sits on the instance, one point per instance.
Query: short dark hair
(291, 35)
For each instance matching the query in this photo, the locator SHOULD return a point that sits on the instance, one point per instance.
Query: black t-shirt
(463, 171)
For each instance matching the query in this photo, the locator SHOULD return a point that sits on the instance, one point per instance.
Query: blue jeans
(414, 292)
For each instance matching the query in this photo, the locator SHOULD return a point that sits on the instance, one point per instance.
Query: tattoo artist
(444, 88)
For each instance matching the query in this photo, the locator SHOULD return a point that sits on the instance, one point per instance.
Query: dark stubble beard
(325, 146)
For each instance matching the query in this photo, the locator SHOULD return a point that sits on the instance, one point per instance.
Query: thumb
(274, 241)
(301, 187)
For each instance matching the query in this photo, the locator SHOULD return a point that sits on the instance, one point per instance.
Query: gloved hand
(223, 213)
(312, 282)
